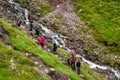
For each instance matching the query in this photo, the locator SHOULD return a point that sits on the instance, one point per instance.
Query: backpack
(73, 59)
(78, 64)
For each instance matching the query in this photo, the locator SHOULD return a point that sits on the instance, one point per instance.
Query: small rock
(116, 57)
(58, 6)
(52, 69)
(9, 46)
(80, 10)
(40, 65)
(48, 50)
(36, 63)
(69, 79)
(12, 65)
(60, 58)
(56, 56)
(17, 37)
(46, 71)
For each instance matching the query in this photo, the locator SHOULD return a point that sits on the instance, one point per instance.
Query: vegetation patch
(102, 16)
(13, 65)
(23, 43)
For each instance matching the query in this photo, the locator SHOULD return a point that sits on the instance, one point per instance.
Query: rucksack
(73, 59)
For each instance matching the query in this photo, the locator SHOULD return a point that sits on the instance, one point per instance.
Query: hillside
(74, 22)
(103, 18)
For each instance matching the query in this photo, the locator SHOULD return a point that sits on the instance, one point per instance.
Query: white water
(20, 15)
(59, 39)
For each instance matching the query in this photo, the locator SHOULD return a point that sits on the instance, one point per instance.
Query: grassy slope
(23, 43)
(22, 71)
(103, 17)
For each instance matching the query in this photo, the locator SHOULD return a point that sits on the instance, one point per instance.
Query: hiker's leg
(42, 45)
(74, 66)
(54, 50)
(71, 65)
(68, 61)
(78, 70)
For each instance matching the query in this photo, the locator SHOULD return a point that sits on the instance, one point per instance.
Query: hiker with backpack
(37, 31)
(31, 25)
(54, 47)
(73, 59)
(78, 64)
(41, 41)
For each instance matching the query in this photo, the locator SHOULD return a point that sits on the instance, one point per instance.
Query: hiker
(41, 42)
(54, 48)
(68, 61)
(31, 25)
(73, 59)
(78, 64)
(19, 23)
(37, 31)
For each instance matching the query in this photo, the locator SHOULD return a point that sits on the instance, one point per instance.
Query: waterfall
(58, 38)
(20, 15)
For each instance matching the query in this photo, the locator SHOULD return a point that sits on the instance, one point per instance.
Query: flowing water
(57, 38)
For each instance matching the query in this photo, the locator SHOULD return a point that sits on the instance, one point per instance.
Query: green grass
(103, 17)
(24, 44)
(45, 9)
(63, 53)
(22, 71)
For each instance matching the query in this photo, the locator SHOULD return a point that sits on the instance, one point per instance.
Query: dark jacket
(78, 64)
(55, 46)
(37, 31)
